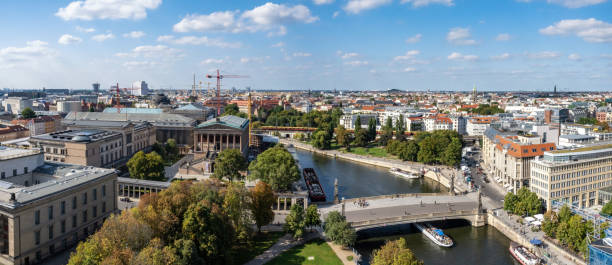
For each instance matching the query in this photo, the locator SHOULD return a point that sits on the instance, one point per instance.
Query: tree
(400, 128)
(343, 137)
(276, 167)
(358, 123)
(321, 140)
(452, 154)
(395, 252)
(294, 222)
(550, 223)
(412, 151)
(210, 231)
(28, 113)
(361, 138)
(235, 205)
(372, 129)
(146, 166)
(261, 200)
(387, 134)
(427, 152)
(312, 216)
(585, 120)
(187, 252)
(155, 254)
(607, 209)
(339, 230)
(510, 202)
(228, 164)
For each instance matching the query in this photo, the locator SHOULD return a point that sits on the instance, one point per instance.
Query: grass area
(372, 151)
(320, 252)
(261, 243)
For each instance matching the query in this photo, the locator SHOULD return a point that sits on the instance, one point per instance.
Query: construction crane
(218, 94)
(118, 99)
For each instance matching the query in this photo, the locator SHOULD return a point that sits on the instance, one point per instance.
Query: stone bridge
(408, 208)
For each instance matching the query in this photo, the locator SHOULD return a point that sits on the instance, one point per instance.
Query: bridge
(408, 208)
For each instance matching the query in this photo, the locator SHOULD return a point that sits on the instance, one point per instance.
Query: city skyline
(320, 44)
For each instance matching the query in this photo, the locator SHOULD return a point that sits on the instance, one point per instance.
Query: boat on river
(403, 174)
(436, 235)
(315, 190)
(523, 255)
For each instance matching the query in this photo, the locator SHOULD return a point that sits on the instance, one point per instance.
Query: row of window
(55, 150)
(74, 223)
(556, 194)
(84, 196)
(15, 173)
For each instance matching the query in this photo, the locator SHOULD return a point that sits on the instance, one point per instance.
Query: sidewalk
(284, 243)
(343, 254)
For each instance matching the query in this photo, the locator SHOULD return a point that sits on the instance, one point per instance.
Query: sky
(499, 45)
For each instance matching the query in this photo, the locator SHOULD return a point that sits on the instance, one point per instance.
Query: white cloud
(414, 39)
(69, 39)
(544, 55)
(356, 6)
(193, 40)
(103, 37)
(269, 17)
(134, 34)
(348, 55)
(502, 56)
(574, 57)
(460, 36)
(245, 60)
(576, 3)
(278, 45)
(31, 53)
(590, 30)
(107, 9)
(503, 37)
(407, 56)
(356, 63)
(409, 69)
(86, 30)
(460, 57)
(322, 2)
(140, 64)
(212, 61)
(301, 54)
(419, 3)
(336, 14)
(152, 51)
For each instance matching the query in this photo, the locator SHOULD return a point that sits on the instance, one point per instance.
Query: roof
(228, 120)
(10, 152)
(584, 149)
(133, 110)
(191, 107)
(76, 136)
(576, 136)
(161, 119)
(520, 150)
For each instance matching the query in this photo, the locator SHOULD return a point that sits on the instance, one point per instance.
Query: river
(483, 245)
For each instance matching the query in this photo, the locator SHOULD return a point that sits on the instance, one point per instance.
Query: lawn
(372, 151)
(261, 243)
(318, 250)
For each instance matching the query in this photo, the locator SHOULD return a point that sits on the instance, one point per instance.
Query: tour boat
(436, 235)
(315, 190)
(403, 174)
(523, 255)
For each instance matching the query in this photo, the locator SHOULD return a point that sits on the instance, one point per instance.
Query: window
(37, 217)
(14, 172)
(103, 207)
(74, 202)
(3, 175)
(74, 221)
(84, 216)
(84, 198)
(103, 190)
(63, 226)
(50, 232)
(95, 211)
(51, 212)
(37, 237)
(95, 194)
(63, 207)
(25, 170)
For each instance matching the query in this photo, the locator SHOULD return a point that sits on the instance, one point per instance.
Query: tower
(96, 87)
(474, 94)
(555, 89)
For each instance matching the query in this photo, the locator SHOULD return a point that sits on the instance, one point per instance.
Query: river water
(483, 245)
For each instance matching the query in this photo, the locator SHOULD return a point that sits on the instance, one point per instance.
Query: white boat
(523, 255)
(436, 235)
(403, 174)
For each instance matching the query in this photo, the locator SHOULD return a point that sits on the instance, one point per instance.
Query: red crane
(218, 96)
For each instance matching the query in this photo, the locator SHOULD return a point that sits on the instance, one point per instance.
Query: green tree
(395, 252)
(400, 128)
(412, 151)
(387, 134)
(187, 252)
(146, 166)
(427, 151)
(210, 231)
(312, 216)
(276, 167)
(550, 223)
(510, 202)
(361, 138)
(228, 165)
(372, 129)
(236, 207)
(155, 254)
(607, 208)
(358, 123)
(339, 230)
(262, 199)
(586, 120)
(294, 222)
(452, 154)
(28, 113)
(564, 213)
(343, 137)
(321, 140)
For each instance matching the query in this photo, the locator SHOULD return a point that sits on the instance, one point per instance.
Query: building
(348, 121)
(414, 124)
(572, 176)
(459, 124)
(139, 88)
(507, 156)
(435, 123)
(11, 132)
(96, 87)
(16, 104)
(96, 148)
(476, 126)
(68, 106)
(41, 124)
(46, 208)
(218, 134)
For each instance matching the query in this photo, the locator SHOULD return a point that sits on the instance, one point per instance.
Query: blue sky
(310, 44)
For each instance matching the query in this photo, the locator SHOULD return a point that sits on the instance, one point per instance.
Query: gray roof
(133, 110)
(229, 120)
(576, 136)
(161, 119)
(76, 136)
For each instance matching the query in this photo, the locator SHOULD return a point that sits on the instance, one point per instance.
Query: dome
(81, 138)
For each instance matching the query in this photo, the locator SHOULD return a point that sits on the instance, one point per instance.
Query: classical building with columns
(218, 134)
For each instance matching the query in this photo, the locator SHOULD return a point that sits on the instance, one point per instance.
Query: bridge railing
(424, 217)
(397, 196)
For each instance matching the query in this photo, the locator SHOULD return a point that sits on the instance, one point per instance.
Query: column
(195, 146)
(14, 248)
(277, 203)
(215, 142)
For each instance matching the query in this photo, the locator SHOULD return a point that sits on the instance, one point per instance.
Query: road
(491, 189)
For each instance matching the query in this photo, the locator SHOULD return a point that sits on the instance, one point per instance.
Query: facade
(437, 123)
(459, 124)
(414, 124)
(41, 124)
(507, 157)
(68, 106)
(11, 132)
(218, 134)
(348, 121)
(476, 126)
(572, 176)
(16, 104)
(140, 88)
(83, 147)
(50, 207)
